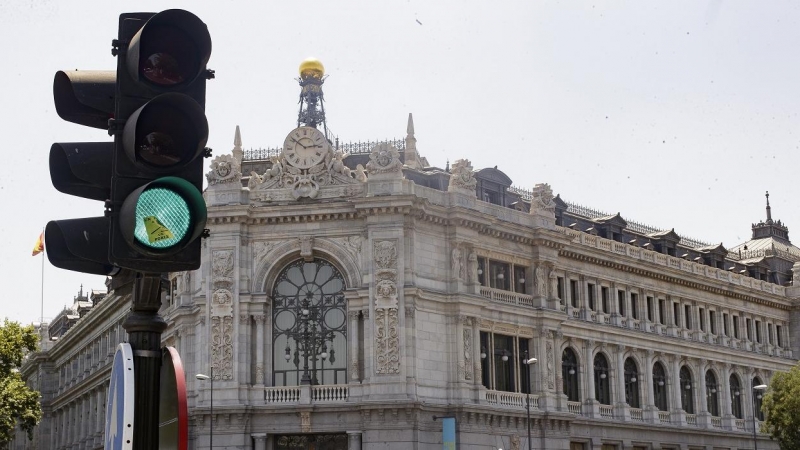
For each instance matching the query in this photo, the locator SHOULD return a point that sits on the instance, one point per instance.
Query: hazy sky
(677, 114)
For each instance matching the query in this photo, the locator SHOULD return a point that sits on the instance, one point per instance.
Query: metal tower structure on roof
(312, 99)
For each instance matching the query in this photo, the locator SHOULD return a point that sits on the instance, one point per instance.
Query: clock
(305, 147)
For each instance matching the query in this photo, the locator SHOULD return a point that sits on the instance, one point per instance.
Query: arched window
(631, 383)
(569, 373)
(687, 394)
(736, 397)
(659, 386)
(602, 391)
(309, 326)
(757, 399)
(712, 397)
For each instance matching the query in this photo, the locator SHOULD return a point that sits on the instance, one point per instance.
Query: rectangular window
(748, 324)
(778, 331)
(590, 291)
(662, 311)
(769, 333)
(687, 313)
(604, 298)
(736, 327)
(621, 302)
(725, 324)
(676, 314)
(712, 319)
(573, 292)
(758, 331)
(649, 309)
(702, 317)
(634, 306)
(499, 275)
(560, 288)
(503, 375)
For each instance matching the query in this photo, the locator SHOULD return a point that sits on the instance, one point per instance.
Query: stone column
(726, 411)
(477, 374)
(260, 370)
(352, 331)
(353, 440)
(260, 440)
(623, 411)
(677, 416)
(650, 410)
(590, 407)
(701, 399)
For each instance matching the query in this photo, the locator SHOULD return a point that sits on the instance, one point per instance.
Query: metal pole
(211, 435)
(144, 327)
(528, 403)
(753, 405)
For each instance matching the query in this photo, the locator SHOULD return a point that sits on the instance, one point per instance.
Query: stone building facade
(352, 294)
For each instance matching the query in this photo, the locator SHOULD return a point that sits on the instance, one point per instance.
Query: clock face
(305, 147)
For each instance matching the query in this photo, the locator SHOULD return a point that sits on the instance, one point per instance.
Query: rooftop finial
(237, 138)
(769, 210)
(238, 153)
(410, 127)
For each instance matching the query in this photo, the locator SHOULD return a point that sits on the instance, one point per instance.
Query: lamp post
(203, 377)
(311, 336)
(528, 362)
(757, 390)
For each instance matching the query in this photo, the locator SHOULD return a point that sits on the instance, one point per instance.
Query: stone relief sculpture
(542, 199)
(472, 262)
(467, 353)
(224, 169)
(456, 263)
(222, 314)
(553, 282)
(384, 159)
(387, 343)
(283, 181)
(550, 365)
(541, 281)
(462, 177)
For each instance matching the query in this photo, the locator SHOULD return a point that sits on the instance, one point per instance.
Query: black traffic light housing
(154, 105)
(161, 131)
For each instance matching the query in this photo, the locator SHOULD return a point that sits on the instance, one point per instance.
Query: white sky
(677, 114)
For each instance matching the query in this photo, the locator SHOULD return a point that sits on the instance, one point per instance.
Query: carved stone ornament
(222, 347)
(467, 353)
(262, 248)
(307, 248)
(224, 169)
(515, 442)
(352, 244)
(387, 345)
(305, 421)
(222, 266)
(542, 198)
(259, 374)
(472, 265)
(385, 254)
(457, 262)
(541, 276)
(550, 366)
(283, 181)
(385, 159)
(462, 177)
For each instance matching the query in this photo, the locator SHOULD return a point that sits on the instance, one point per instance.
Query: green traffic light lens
(162, 218)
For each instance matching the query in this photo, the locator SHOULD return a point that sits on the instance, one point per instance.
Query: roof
(768, 246)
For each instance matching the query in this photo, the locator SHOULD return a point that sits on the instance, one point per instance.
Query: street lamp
(757, 390)
(311, 336)
(528, 362)
(203, 377)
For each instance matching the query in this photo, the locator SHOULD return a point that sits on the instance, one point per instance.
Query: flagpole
(41, 318)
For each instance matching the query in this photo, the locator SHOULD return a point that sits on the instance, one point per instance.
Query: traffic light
(158, 212)
(151, 176)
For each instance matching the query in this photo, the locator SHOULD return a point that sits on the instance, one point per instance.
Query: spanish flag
(39, 246)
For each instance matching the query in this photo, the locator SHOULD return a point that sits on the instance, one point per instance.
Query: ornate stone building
(352, 293)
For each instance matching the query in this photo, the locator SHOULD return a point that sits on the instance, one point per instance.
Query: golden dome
(312, 67)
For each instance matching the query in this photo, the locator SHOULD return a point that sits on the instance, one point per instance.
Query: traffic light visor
(170, 50)
(163, 216)
(167, 133)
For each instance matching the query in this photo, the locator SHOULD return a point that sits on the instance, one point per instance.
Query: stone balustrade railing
(507, 297)
(574, 408)
(607, 411)
(510, 399)
(683, 265)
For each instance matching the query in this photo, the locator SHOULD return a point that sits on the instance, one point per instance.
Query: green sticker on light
(162, 218)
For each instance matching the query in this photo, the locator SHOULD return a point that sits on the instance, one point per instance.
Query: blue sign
(119, 404)
(448, 433)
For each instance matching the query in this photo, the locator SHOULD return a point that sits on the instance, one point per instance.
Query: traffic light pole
(144, 326)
